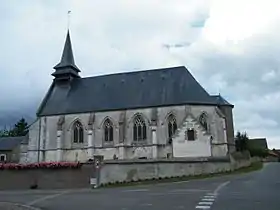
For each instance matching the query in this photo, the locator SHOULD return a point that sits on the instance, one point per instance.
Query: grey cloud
(115, 36)
(240, 77)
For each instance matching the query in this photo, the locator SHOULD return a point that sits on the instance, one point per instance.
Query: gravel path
(13, 206)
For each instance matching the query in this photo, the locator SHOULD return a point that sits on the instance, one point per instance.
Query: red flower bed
(46, 165)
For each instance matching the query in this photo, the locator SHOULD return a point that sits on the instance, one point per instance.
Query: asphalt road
(258, 190)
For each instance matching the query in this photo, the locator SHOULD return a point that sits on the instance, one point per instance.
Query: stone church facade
(160, 113)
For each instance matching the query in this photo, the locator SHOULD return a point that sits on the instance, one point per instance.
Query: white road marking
(220, 187)
(203, 207)
(205, 203)
(147, 204)
(19, 205)
(46, 198)
(209, 196)
(208, 199)
(214, 194)
(24, 192)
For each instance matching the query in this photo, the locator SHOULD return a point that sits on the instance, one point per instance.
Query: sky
(232, 47)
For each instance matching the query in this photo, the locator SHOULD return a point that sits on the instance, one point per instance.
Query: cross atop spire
(66, 66)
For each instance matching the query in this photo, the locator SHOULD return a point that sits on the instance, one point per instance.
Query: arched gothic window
(108, 131)
(139, 129)
(203, 121)
(78, 132)
(172, 125)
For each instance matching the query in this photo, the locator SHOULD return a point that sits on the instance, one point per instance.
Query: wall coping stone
(99, 147)
(173, 160)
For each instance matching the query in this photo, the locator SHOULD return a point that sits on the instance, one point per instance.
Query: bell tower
(66, 69)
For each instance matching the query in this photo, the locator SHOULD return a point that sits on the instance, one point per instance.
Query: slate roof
(70, 94)
(162, 87)
(67, 58)
(221, 101)
(258, 143)
(9, 143)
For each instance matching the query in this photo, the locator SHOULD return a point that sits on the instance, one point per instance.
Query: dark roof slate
(221, 101)
(150, 88)
(67, 58)
(9, 143)
(67, 63)
(258, 143)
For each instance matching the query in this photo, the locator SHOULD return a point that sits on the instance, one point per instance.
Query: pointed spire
(67, 58)
(67, 64)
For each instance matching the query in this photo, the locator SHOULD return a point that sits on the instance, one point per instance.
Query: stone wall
(12, 155)
(23, 153)
(47, 178)
(126, 171)
(112, 171)
(94, 134)
(227, 111)
(240, 160)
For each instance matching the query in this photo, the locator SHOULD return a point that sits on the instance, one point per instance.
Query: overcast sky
(230, 46)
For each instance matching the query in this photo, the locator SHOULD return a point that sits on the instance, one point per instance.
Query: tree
(242, 144)
(4, 133)
(241, 141)
(21, 128)
(258, 152)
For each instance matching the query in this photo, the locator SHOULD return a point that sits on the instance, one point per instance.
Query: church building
(157, 113)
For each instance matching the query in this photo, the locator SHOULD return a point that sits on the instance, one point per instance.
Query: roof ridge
(135, 72)
(221, 100)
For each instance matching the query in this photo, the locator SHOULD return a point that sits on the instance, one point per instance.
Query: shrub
(241, 141)
(43, 165)
(257, 152)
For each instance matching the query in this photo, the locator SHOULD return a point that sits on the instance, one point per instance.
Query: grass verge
(253, 167)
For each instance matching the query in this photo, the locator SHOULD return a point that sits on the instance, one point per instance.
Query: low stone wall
(127, 171)
(119, 171)
(46, 178)
(240, 160)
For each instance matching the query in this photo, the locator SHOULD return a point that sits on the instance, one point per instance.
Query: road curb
(17, 206)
